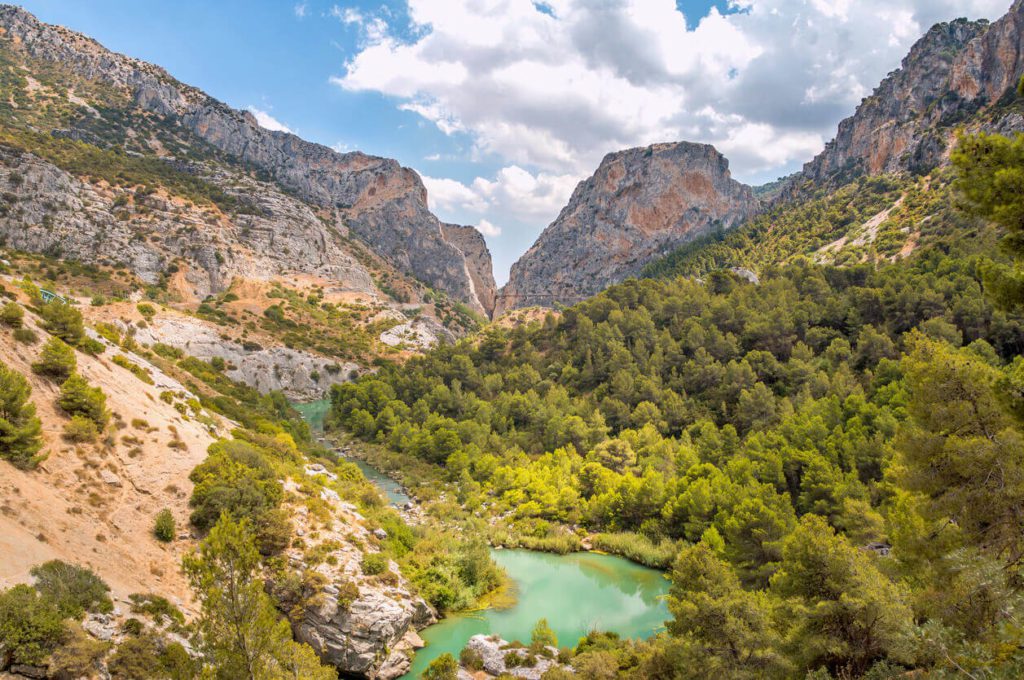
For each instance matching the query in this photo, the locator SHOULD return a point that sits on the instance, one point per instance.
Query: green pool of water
(576, 593)
(314, 413)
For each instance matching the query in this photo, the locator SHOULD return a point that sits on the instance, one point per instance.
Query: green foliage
(156, 607)
(238, 629)
(80, 430)
(56, 360)
(374, 563)
(73, 589)
(78, 655)
(148, 656)
(236, 478)
(146, 310)
(30, 626)
(11, 315)
(444, 667)
(77, 397)
(63, 321)
(136, 370)
(26, 336)
(638, 548)
(164, 528)
(542, 636)
(20, 429)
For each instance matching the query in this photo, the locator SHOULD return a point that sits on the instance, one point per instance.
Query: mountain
(960, 74)
(282, 204)
(478, 261)
(640, 204)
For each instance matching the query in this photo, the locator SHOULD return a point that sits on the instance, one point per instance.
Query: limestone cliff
(639, 205)
(478, 261)
(961, 73)
(379, 201)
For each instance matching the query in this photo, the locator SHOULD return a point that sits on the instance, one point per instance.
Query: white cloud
(301, 9)
(488, 229)
(555, 88)
(514, 193)
(267, 121)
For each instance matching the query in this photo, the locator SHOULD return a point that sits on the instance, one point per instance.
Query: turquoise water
(576, 593)
(314, 413)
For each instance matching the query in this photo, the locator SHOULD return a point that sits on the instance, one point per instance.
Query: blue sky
(504, 105)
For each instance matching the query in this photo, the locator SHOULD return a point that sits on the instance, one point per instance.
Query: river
(576, 593)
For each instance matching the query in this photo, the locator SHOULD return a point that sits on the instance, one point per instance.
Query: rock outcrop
(640, 204)
(478, 261)
(960, 72)
(492, 652)
(382, 203)
(365, 626)
(300, 375)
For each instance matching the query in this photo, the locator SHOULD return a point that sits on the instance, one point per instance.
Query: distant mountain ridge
(960, 74)
(379, 201)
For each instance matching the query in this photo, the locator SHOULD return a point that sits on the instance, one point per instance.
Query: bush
(80, 430)
(64, 321)
(147, 310)
(374, 563)
(471, 659)
(78, 654)
(513, 659)
(30, 625)
(73, 590)
(444, 667)
(19, 427)
(56, 361)
(165, 528)
(77, 397)
(235, 478)
(11, 315)
(638, 548)
(157, 608)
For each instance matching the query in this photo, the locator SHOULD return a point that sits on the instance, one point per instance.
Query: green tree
(728, 628)
(238, 630)
(30, 626)
(20, 429)
(56, 360)
(63, 321)
(77, 397)
(845, 613)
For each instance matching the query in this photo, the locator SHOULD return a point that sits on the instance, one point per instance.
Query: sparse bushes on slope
(11, 315)
(73, 589)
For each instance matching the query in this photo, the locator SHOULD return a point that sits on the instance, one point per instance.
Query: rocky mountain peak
(378, 200)
(959, 73)
(640, 204)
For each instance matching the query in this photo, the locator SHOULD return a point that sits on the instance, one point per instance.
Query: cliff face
(379, 201)
(478, 261)
(639, 205)
(960, 73)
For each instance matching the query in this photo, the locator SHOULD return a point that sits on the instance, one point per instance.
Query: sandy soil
(95, 504)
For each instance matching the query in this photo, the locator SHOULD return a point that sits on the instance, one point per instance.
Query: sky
(503, 106)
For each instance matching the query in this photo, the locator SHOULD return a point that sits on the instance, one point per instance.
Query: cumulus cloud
(267, 121)
(301, 9)
(554, 86)
(488, 229)
(514, 193)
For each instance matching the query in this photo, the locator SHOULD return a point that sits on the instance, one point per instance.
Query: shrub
(165, 528)
(80, 430)
(30, 625)
(64, 321)
(11, 315)
(73, 589)
(26, 336)
(56, 360)
(132, 626)
(157, 608)
(136, 370)
(19, 427)
(235, 478)
(78, 654)
(513, 659)
(147, 310)
(542, 636)
(374, 563)
(77, 397)
(444, 667)
(471, 659)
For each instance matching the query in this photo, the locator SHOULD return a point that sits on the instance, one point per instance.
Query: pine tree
(19, 427)
(56, 360)
(77, 397)
(238, 631)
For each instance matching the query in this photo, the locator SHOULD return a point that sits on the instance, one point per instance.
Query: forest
(831, 460)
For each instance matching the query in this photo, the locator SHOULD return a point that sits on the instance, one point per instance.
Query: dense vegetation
(833, 456)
